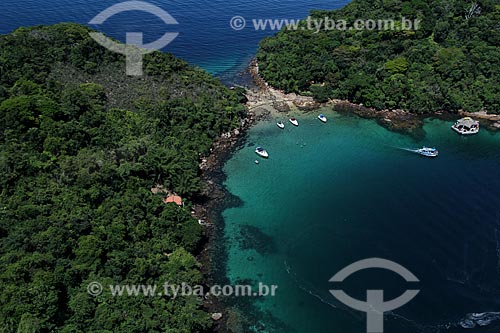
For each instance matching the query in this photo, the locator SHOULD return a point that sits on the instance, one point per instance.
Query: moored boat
(261, 152)
(294, 121)
(280, 125)
(322, 118)
(466, 126)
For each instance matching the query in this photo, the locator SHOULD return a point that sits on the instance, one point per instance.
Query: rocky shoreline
(396, 120)
(264, 101)
(492, 120)
(207, 210)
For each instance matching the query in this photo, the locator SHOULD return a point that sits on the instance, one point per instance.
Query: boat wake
(404, 148)
(425, 151)
(410, 150)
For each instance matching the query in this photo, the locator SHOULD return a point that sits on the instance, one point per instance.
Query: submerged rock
(252, 237)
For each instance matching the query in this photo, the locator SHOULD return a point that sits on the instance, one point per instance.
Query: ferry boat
(466, 126)
(294, 121)
(322, 118)
(429, 152)
(280, 125)
(261, 152)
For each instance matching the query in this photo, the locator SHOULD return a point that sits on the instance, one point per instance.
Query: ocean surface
(332, 194)
(205, 39)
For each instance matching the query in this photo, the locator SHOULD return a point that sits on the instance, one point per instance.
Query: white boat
(280, 125)
(466, 126)
(294, 121)
(322, 118)
(261, 152)
(429, 152)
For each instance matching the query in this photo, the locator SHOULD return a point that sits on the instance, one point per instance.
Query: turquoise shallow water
(331, 194)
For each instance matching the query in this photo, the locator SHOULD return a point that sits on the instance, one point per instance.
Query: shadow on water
(251, 237)
(243, 314)
(412, 213)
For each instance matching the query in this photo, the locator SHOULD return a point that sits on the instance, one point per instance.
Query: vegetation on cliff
(81, 145)
(451, 62)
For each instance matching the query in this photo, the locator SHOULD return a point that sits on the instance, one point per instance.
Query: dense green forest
(81, 145)
(451, 62)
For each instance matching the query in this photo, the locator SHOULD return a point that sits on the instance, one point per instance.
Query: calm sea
(205, 37)
(332, 194)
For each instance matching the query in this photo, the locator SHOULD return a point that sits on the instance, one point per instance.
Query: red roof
(174, 198)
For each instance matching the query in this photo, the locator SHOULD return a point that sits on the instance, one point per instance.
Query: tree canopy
(451, 62)
(81, 145)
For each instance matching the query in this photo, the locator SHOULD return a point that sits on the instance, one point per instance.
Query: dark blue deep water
(206, 38)
(331, 194)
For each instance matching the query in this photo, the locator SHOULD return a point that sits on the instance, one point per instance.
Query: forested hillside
(81, 145)
(451, 62)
